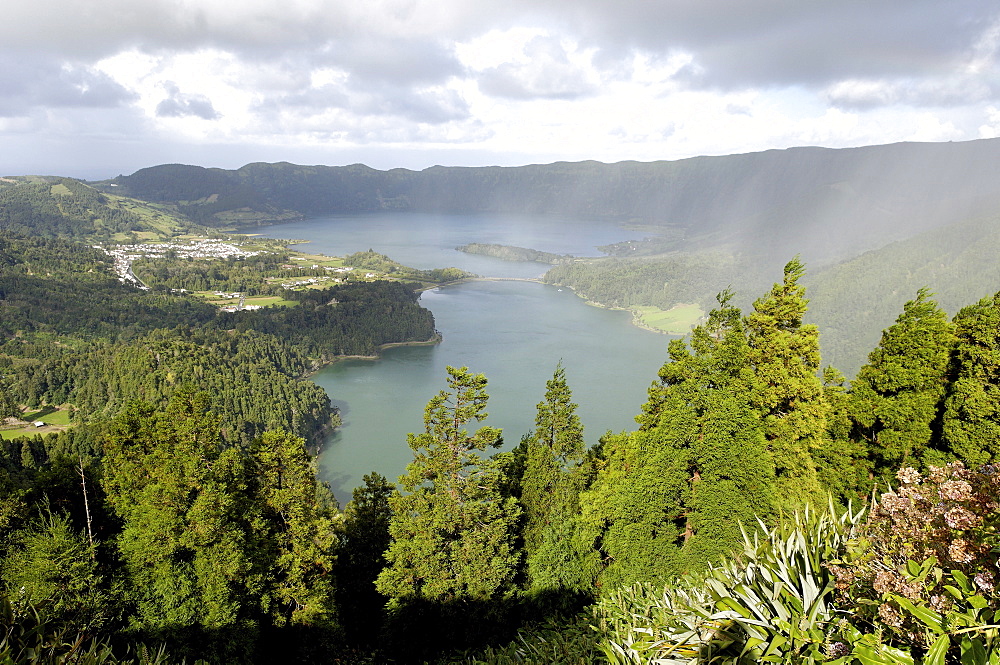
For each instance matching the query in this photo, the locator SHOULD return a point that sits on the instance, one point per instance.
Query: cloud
(45, 83)
(631, 79)
(543, 70)
(178, 105)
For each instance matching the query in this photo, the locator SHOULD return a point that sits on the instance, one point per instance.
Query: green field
(263, 301)
(52, 417)
(308, 260)
(678, 320)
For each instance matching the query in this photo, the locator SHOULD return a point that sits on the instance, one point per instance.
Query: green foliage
(174, 489)
(372, 260)
(452, 533)
(895, 400)
(661, 282)
(365, 539)
(670, 496)
(772, 602)
(924, 564)
(217, 545)
(556, 641)
(52, 567)
(971, 419)
(844, 462)
(778, 595)
(788, 393)
(298, 533)
(550, 492)
(67, 208)
(253, 380)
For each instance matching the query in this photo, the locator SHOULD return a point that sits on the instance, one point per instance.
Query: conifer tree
(672, 495)
(550, 490)
(297, 530)
(789, 394)
(896, 397)
(971, 418)
(218, 543)
(843, 463)
(53, 568)
(365, 540)
(453, 530)
(182, 544)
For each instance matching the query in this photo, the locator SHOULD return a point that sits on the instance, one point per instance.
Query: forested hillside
(74, 334)
(54, 207)
(725, 528)
(803, 200)
(700, 224)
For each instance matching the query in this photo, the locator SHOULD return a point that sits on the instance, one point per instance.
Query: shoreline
(636, 316)
(437, 338)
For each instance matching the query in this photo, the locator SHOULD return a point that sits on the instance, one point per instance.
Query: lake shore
(433, 341)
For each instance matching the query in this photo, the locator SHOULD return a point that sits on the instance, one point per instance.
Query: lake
(513, 332)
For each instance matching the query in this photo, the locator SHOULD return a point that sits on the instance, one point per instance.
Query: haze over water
(513, 332)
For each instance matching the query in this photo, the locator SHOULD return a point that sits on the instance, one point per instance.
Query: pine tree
(452, 533)
(550, 491)
(297, 533)
(365, 540)
(784, 353)
(168, 480)
(971, 418)
(671, 496)
(896, 398)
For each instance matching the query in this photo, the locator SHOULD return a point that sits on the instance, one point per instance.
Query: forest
(763, 509)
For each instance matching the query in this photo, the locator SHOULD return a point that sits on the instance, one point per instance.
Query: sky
(94, 89)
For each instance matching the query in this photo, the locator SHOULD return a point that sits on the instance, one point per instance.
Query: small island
(511, 253)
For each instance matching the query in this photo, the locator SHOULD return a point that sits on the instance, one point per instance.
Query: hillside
(56, 207)
(831, 203)
(957, 263)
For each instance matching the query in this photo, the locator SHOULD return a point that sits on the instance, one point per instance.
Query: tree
(298, 532)
(896, 398)
(971, 418)
(670, 497)
(788, 393)
(550, 491)
(8, 405)
(452, 533)
(365, 540)
(52, 567)
(185, 525)
(843, 463)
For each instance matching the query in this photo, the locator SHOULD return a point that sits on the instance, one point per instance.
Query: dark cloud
(786, 42)
(405, 43)
(32, 84)
(179, 104)
(547, 73)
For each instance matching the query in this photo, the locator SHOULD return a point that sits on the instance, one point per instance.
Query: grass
(308, 260)
(678, 320)
(54, 419)
(263, 301)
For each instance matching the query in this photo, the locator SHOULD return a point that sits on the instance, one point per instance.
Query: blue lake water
(513, 332)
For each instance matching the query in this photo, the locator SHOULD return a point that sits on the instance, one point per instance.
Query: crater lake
(514, 332)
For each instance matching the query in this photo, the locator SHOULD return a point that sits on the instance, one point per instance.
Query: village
(204, 248)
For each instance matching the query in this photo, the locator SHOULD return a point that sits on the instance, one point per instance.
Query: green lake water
(513, 332)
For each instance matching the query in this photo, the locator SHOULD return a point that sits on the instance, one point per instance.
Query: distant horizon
(91, 175)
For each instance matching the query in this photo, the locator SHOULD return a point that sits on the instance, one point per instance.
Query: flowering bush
(918, 544)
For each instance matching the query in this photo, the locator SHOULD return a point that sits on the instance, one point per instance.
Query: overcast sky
(93, 89)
